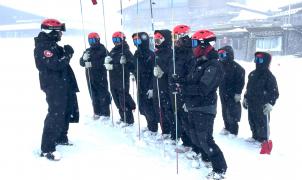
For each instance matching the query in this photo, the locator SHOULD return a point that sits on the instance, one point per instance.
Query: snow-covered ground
(101, 151)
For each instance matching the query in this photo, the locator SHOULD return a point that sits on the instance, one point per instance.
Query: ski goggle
(222, 54)
(195, 43)
(158, 39)
(202, 43)
(178, 36)
(137, 42)
(259, 59)
(59, 28)
(116, 40)
(92, 40)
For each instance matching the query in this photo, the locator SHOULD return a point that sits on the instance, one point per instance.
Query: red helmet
(203, 38)
(52, 24)
(204, 35)
(118, 34)
(93, 35)
(181, 29)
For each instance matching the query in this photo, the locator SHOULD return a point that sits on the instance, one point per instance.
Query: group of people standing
(176, 83)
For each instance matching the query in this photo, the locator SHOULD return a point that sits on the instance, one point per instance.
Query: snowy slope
(105, 152)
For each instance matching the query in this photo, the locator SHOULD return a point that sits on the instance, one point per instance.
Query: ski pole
(175, 93)
(84, 38)
(123, 66)
(137, 80)
(106, 45)
(158, 97)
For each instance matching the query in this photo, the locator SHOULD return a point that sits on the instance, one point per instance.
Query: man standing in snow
(230, 90)
(58, 82)
(96, 76)
(260, 96)
(143, 61)
(183, 62)
(161, 99)
(201, 99)
(119, 65)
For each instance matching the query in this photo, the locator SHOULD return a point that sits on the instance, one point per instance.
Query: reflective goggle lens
(259, 60)
(137, 42)
(195, 43)
(222, 54)
(91, 40)
(116, 40)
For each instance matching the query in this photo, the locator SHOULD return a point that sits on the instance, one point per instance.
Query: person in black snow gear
(260, 96)
(143, 61)
(120, 58)
(201, 99)
(230, 90)
(96, 75)
(162, 103)
(183, 62)
(58, 82)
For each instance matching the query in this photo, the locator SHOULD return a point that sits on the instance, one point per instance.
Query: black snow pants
(118, 97)
(231, 113)
(98, 90)
(201, 132)
(146, 108)
(257, 121)
(62, 109)
(164, 114)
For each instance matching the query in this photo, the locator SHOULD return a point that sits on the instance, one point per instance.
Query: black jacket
(262, 87)
(202, 83)
(52, 62)
(116, 75)
(144, 58)
(163, 58)
(98, 71)
(234, 79)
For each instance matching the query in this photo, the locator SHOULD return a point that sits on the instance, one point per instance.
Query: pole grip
(94, 2)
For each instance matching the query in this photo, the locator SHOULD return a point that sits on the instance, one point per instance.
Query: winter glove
(149, 93)
(132, 77)
(244, 103)
(267, 108)
(108, 59)
(123, 59)
(237, 98)
(185, 108)
(88, 64)
(68, 50)
(157, 72)
(109, 67)
(86, 56)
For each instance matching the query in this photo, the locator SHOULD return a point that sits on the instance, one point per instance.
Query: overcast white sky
(69, 11)
(71, 8)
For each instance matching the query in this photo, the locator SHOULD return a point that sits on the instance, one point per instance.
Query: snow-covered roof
(247, 15)
(291, 11)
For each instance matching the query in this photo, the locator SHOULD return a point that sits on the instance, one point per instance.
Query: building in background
(245, 28)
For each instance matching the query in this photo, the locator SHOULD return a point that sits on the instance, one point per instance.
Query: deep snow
(101, 151)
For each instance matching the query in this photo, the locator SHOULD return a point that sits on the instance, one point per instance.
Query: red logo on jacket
(48, 53)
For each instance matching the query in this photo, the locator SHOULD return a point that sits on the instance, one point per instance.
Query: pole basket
(94, 2)
(266, 147)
